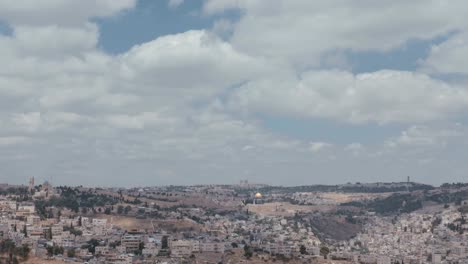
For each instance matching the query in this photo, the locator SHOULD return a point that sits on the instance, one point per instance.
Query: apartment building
(181, 248)
(131, 243)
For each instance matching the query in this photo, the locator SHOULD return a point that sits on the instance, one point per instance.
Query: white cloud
(140, 120)
(319, 146)
(215, 6)
(223, 27)
(425, 136)
(301, 31)
(9, 141)
(247, 147)
(175, 3)
(382, 97)
(195, 63)
(354, 147)
(54, 40)
(449, 57)
(63, 12)
(28, 121)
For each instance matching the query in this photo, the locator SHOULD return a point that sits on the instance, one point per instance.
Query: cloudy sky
(148, 92)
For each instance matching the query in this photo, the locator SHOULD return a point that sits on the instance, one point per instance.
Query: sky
(283, 92)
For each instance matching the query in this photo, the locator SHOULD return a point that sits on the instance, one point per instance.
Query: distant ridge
(377, 187)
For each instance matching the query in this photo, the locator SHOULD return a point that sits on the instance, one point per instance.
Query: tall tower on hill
(31, 184)
(408, 184)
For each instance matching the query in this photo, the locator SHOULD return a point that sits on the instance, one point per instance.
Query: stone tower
(31, 184)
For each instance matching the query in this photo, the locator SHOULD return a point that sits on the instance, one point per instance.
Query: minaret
(31, 184)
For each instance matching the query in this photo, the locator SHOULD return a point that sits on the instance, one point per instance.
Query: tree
(429, 258)
(141, 246)
(50, 251)
(9, 250)
(324, 251)
(303, 250)
(71, 253)
(248, 252)
(25, 231)
(50, 214)
(23, 251)
(164, 242)
(60, 250)
(91, 245)
(120, 209)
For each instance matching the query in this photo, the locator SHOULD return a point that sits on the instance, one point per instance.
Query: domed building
(46, 191)
(258, 199)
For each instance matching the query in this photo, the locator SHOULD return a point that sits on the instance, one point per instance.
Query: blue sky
(141, 92)
(4, 28)
(151, 19)
(147, 21)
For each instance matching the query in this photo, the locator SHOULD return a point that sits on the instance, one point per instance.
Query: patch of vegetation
(73, 230)
(350, 188)
(13, 253)
(403, 203)
(55, 250)
(334, 228)
(454, 185)
(91, 245)
(14, 191)
(447, 196)
(463, 209)
(21, 193)
(73, 199)
(395, 203)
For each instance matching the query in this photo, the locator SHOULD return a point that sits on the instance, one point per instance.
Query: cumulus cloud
(449, 57)
(301, 31)
(207, 63)
(382, 97)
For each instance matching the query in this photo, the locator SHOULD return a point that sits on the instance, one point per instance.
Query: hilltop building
(31, 185)
(258, 199)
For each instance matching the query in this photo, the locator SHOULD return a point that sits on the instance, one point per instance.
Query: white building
(181, 248)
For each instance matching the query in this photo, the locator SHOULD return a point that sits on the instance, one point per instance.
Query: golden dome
(258, 195)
